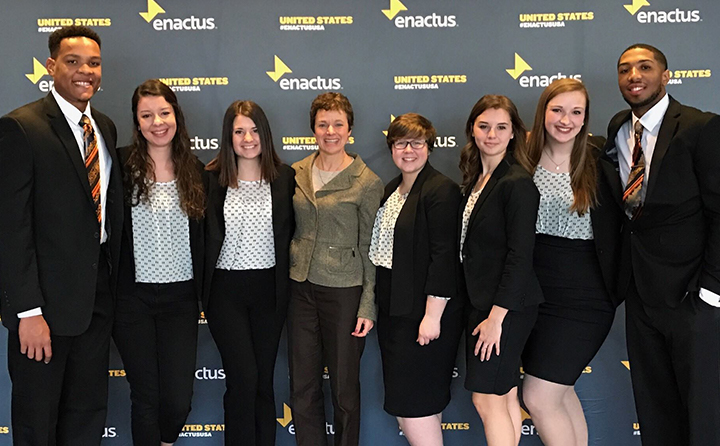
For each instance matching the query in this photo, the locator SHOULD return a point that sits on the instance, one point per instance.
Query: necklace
(557, 166)
(326, 180)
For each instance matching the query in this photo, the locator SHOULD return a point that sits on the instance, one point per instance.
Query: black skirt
(500, 373)
(416, 378)
(577, 314)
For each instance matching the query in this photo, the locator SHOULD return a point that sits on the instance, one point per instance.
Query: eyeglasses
(415, 144)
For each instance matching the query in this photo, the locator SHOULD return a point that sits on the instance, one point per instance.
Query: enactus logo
(405, 21)
(443, 142)
(653, 16)
(300, 83)
(39, 71)
(191, 23)
(534, 81)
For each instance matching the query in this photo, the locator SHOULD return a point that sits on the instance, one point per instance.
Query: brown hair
(411, 125)
(470, 164)
(226, 160)
(583, 172)
(331, 101)
(139, 166)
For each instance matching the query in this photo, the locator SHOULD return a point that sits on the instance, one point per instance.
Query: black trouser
(246, 327)
(65, 402)
(320, 322)
(156, 335)
(674, 362)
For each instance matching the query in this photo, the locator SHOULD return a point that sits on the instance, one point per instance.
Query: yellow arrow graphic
(153, 9)
(395, 7)
(287, 416)
(525, 415)
(520, 67)
(39, 71)
(626, 364)
(280, 69)
(392, 118)
(636, 5)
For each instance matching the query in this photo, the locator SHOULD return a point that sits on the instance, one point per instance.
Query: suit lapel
(668, 128)
(404, 237)
(303, 178)
(499, 172)
(65, 135)
(611, 169)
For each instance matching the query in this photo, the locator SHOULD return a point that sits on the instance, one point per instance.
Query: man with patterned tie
(668, 160)
(60, 227)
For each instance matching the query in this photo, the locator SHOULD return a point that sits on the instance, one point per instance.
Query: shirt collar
(652, 119)
(70, 111)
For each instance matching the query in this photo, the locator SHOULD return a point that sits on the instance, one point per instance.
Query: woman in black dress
(414, 247)
(578, 227)
(496, 241)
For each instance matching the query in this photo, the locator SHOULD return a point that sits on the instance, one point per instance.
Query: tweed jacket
(333, 229)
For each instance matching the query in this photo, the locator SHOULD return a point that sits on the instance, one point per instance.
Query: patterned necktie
(632, 197)
(92, 163)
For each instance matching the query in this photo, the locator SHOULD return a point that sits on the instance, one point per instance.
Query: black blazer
(673, 247)
(126, 273)
(49, 234)
(425, 255)
(498, 248)
(283, 220)
(606, 219)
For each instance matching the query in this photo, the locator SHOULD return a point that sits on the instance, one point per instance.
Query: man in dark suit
(60, 226)
(668, 159)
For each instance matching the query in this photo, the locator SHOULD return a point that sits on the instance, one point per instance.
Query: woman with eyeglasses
(414, 249)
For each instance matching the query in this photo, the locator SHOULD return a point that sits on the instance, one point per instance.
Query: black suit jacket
(425, 255)
(126, 272)
(498, 248)
(49, 234)
(283, 220)
(607, 219)
(673, 247)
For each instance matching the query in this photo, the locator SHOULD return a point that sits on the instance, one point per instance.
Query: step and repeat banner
(434, 57)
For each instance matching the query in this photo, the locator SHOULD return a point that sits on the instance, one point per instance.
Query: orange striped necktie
(632, 196)
(92, 163)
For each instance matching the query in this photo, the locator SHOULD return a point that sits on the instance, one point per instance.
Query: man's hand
(34, 335)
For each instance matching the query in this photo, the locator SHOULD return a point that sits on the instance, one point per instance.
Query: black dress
(577, 277)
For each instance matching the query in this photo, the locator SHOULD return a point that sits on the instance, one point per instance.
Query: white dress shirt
(73, 116)
(624, 141)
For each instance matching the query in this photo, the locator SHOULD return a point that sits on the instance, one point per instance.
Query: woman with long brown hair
(248, 230)
(576, 253)
(160, 273)
(496, 248)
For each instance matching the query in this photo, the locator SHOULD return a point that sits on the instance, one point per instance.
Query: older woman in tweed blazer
(332, 302)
